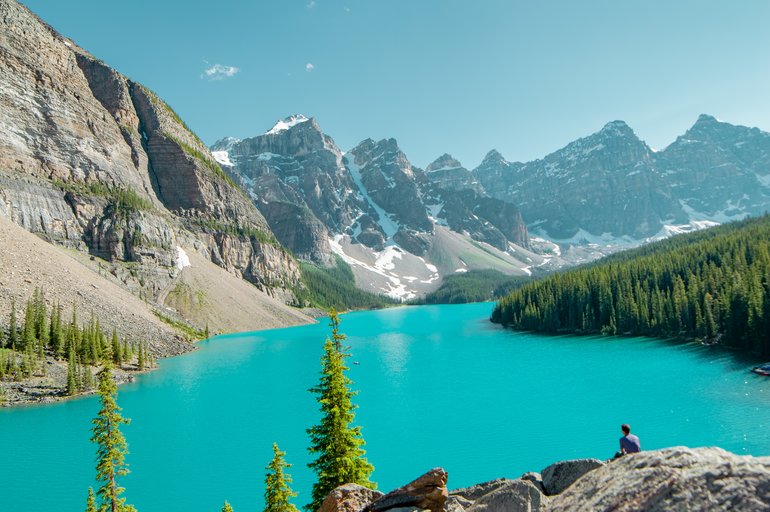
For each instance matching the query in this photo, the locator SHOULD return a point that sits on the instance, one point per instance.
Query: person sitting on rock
(629, 443)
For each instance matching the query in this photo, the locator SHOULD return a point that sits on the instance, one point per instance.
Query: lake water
(439, 386)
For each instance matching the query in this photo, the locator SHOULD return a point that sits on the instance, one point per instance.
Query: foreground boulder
(557, 477)
(349, 498)
(428, 492)
(470, 494)
(515, 496)
(678, 478)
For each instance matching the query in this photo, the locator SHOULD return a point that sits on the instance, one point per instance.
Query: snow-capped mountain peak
(286, 123)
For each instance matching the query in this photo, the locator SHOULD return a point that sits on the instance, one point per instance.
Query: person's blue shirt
(630, 444)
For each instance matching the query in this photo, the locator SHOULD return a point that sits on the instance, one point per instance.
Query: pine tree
(226, 507)
(337, 443)
(277, 490)
(126, 355)
(117, 353)
(72, 381)
(91, 502)
(13, 335)
(28, 333)
(112, 447)
(88, 378)
(55, 334)
(140, 361)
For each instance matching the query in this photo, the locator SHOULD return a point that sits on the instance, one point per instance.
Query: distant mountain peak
(706, 118)
(445, 161)
(224, 143)
(286, 123)
(617, 128)
(494, 158)
(708, 127)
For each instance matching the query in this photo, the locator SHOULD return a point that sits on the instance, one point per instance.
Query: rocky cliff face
(457, 199)
(700, 479)
(447, 173)
(94, 161)
(612, 184)
(718, 171)
(604, 183)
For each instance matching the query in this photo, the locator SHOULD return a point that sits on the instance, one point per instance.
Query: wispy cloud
(219, 72)
(311, 4)
(309, 67)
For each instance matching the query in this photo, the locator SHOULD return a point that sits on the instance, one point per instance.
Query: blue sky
(439, 76)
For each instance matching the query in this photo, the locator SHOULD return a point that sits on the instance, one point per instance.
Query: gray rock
(679, 478)
(535, 478)
(475, 492)
(349, 498)
(561, 475)
(456, 504)
(514, 496)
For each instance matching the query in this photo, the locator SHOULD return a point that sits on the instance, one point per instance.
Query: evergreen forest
(30, 341)
(473, 286)
(335, 287)
(712, 285)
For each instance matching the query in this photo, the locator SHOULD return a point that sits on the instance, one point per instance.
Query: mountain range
(399, 227)
(604, 192)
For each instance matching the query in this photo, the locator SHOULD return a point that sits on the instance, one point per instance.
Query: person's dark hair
(625, 428)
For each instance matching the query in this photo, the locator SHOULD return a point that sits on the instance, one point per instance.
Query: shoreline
(51, 388)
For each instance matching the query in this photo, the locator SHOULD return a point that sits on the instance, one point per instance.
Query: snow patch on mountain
(182, 259)
(388, 225)
(285, 124)
(222, 158)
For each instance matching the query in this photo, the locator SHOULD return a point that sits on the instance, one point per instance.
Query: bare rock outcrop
(557, 477)
(427, 492)
(501, 495)
(349, 498)
(678, 478)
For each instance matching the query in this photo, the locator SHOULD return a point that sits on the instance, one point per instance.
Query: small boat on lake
(763, 369)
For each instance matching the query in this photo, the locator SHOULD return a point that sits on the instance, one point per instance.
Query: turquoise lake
(439, 386)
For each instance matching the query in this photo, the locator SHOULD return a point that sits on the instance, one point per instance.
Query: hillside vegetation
(473, 286)
(335, 287)
(712, 285)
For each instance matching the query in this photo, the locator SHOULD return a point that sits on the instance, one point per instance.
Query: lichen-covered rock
(561, 475)
(679, 478)
(349, 498)
(427, 492)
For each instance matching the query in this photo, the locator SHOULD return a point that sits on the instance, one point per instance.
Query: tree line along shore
(712, 286)
(41, 338)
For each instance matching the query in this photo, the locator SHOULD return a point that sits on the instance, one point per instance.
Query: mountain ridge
(93, 161)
